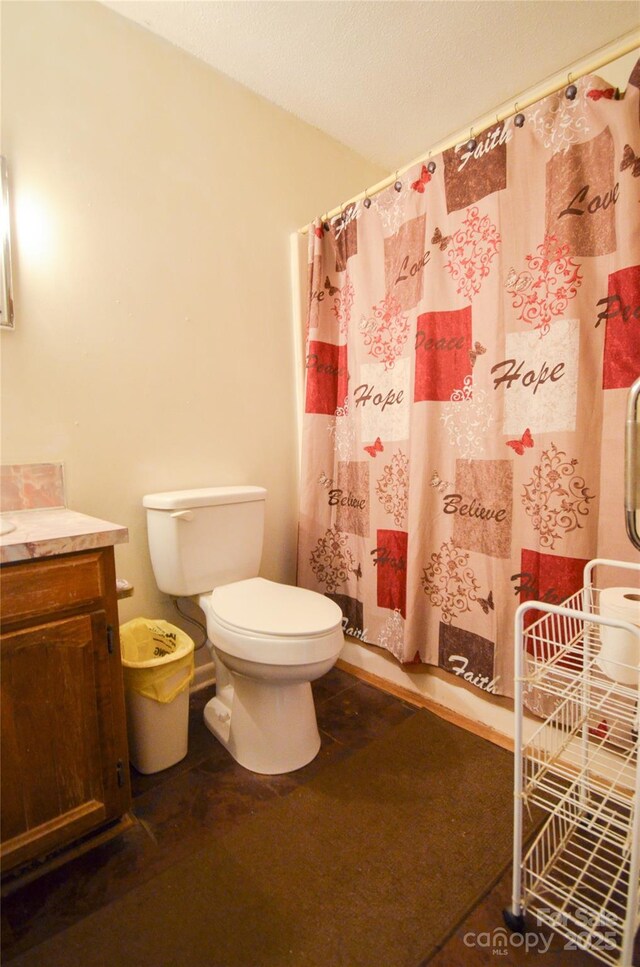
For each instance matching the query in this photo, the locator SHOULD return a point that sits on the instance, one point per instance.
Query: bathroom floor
(208, 789)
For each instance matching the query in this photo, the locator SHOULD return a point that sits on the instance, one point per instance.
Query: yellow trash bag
(153, 652)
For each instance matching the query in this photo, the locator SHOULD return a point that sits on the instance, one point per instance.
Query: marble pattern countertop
(46, 532)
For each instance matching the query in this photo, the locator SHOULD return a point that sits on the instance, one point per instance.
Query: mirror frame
(7, 320)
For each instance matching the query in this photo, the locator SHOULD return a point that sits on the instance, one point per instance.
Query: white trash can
(158, 667)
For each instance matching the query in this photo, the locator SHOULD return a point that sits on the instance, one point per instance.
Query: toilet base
(269, 728)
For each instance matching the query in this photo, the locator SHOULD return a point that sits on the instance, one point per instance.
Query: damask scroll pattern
(344, 431)
(331, 560)
(467, 418)
(472, 249)
(449, 581)
(391, 635)
(385, 331)
(559, 122)
(393, 487)
(556, 497)
(544, 289)
(342, 305)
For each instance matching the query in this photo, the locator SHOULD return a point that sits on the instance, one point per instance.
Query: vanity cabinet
(63, 735)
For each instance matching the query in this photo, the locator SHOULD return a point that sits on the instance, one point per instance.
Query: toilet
(269, 641)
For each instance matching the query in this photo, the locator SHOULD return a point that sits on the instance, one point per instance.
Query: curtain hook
(472, 144)
(571, 90)
(367, 200)
(398, 184)
(519, 118)
(431, 165)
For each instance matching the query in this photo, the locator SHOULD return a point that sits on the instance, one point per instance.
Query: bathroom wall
(153, 205)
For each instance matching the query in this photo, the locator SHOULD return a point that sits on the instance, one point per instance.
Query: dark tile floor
(209, 790)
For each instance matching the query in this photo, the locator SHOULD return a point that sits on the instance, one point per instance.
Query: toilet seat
(273, 624)
(265, 609)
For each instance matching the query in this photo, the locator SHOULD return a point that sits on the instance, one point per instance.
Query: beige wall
(153, 349)
(154, 202)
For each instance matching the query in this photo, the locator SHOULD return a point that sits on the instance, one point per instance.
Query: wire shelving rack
(579, 767)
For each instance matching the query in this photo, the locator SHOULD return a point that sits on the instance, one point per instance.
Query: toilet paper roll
(619, 655)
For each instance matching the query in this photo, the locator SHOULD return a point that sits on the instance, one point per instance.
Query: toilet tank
(201, 539)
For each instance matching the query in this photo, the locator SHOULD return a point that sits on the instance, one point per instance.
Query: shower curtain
(472, 332)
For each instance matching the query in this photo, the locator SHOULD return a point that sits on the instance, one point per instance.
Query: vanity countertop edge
(51, 531)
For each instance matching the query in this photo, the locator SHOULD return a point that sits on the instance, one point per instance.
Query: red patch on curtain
(327, 377)
(545, 577)
(390, 560)
(621, 363)
(443, 343)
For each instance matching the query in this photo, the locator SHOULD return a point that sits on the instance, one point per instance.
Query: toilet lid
(265, 608)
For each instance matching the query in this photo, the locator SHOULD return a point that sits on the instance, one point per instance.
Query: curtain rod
(586, 65)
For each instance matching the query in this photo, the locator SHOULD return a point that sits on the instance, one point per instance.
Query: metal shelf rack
(579, 767)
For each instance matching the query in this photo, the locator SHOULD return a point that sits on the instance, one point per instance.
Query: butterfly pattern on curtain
(471, 340)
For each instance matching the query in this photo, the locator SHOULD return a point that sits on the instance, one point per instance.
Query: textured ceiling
(387, 79)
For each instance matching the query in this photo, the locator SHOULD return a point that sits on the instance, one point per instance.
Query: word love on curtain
(472, 333)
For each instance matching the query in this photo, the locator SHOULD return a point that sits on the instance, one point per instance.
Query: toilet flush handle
(183, 514)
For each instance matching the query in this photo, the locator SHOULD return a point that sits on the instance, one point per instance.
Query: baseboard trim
(204, 676)
(421, 701)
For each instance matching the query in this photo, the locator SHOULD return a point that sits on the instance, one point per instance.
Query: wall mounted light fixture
(6, 295)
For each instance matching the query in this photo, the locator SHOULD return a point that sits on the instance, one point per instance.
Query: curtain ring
(398, 183)
(571, 90)
(472, 144)
(367, 200)
(431, 165)
(519, 118)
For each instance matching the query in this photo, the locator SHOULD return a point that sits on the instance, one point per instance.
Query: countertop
(50, 531)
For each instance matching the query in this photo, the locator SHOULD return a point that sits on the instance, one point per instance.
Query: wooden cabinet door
(57, 745)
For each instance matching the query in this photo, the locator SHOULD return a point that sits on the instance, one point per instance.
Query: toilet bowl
(269, 642)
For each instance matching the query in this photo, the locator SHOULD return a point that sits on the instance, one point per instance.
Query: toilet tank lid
(203, 497)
